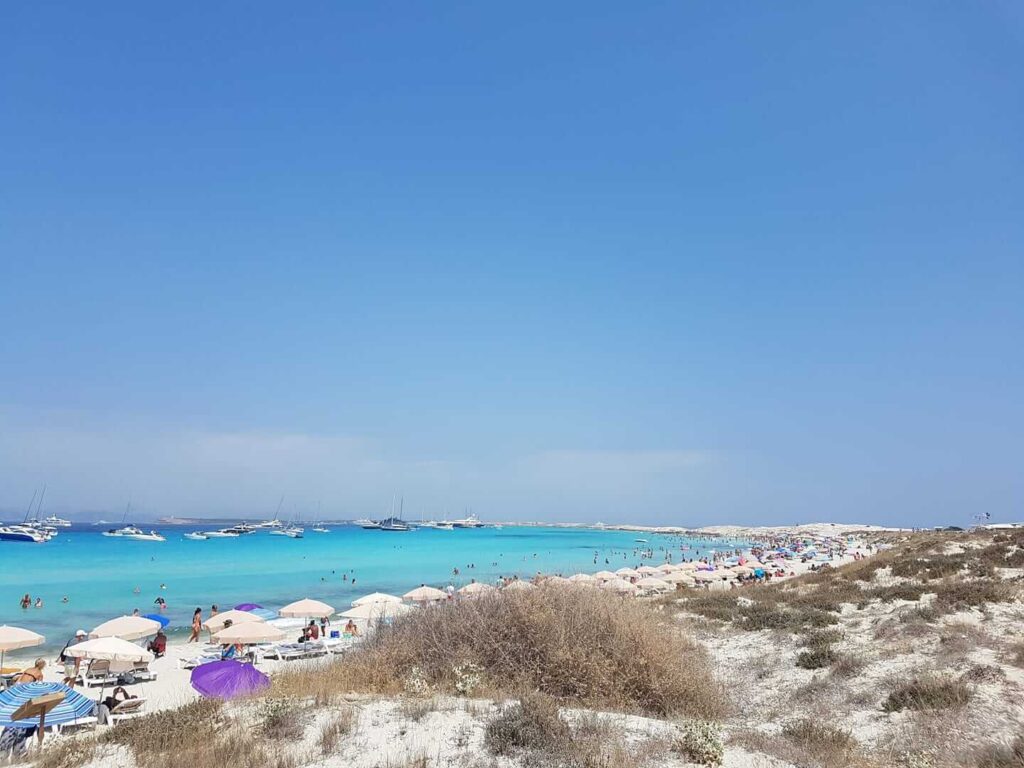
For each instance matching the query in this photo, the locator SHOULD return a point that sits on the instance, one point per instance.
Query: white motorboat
(196, 536)
(223, 533)
(469, 521)
(23, 533)
(320, 529)
(55, 522)
(293, 532)
(370, 525)
(136, 534)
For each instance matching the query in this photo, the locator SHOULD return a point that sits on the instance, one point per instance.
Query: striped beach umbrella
(74, 707)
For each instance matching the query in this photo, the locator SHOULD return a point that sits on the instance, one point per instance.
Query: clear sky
(654, 262)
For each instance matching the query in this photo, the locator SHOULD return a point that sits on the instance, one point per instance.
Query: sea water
(103, 577)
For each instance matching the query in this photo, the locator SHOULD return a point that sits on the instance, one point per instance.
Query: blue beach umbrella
(157, 617)
(74, 707)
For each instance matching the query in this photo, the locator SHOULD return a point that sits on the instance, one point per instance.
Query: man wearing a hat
(71, 676)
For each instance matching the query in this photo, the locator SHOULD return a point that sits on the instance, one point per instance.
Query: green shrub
(699, 742)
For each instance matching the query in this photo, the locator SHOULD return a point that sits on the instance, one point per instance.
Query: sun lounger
(98, 673)
(126, 710)
(142, 671)
(197, 661)
(285, 651)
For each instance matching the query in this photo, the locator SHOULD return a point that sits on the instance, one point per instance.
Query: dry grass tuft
(66, 753)
(575, 644)
(928, 693)
(1000, 756)
(826, 745)
(340, 724)
(533, 727)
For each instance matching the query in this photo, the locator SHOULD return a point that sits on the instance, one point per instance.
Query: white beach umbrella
(306, 609)
(216, 623)
(579, 578)
(667, 568)
(377, 611)
(691, 566)
(13, 638)
(628, 573)
(424, 594)
(248, 633)
(679, 577)
(114, 649)
(518, 585)
(127, 628)
(620, 586)
(647, 570)
(376, 597)
(476, 588)
(605, 576)
(654, 585)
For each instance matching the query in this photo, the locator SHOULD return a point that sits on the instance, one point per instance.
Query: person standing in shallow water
(197, 625)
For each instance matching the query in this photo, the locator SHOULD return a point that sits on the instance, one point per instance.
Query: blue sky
(669, 263)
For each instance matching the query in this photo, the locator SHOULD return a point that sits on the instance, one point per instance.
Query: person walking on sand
(197, 625)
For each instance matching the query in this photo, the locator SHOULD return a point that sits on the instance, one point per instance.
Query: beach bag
(126, 678)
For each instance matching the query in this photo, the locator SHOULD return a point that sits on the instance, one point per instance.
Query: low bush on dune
(66, 753)
(826, 745)
(196, 735)
(928, 693)
(1001, 756)
(575, 644)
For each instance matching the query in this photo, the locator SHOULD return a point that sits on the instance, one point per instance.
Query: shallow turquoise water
(99, 574)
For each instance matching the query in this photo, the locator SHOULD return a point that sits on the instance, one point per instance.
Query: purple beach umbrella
(247, 606)
(228, 679)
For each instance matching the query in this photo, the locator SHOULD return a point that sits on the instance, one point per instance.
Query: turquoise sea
(99, 575)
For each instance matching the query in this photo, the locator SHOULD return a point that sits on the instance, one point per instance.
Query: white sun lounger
(126, 710)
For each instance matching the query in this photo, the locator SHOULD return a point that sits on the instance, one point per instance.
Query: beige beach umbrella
(376, 611)
(652, 584)
(518, 585)
(248, 633)
(127, 628)
(605, 576)
(424, 594)
(476, 588)
(216, 623)
(376, 597)
(306, 609)
(627, 573)
(582, 578)
(667, 568)
(13, 638)
(691, 566)
(647, 570)
(114, 649)
(679, 577)
(621, 586)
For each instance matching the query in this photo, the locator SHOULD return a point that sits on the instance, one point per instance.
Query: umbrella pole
(42, 725)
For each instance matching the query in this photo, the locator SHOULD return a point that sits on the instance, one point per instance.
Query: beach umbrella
(216, 623)
(654, 585)
(476, 588)
(579, 578)
(228, 679)
(118, 651)
(248, 607)
(667, 568)
(605, 576)
(424, 594)
(377, 611)
(627, 573)
(162, 620)
(620, 586)
(647, 570)
(518, 585)
(114, 649)
(38, 704)
(306, 609)
(127, 628)
(248, 633)
(13, 638)
(376, 597)
(679, 577)
(691, 566)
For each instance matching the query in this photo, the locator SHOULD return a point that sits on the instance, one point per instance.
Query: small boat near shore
(196, 536)
(136, 534)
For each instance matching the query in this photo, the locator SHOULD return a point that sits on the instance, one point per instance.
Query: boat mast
(35, 492)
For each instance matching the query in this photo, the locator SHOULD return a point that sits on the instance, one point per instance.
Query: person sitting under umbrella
(33, 674)
(158, 645)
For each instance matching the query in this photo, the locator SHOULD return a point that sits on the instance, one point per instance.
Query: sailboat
(25, 532)
(317, 528)
(395, 523)
(293, 530)
(274, 524)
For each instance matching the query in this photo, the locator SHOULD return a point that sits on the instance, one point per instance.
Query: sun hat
(80, 633)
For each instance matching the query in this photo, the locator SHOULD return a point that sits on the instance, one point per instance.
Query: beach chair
(98, 673)
(285, 652)
(197, 661)
(314, 648)
(126, 710)
(142, 672)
